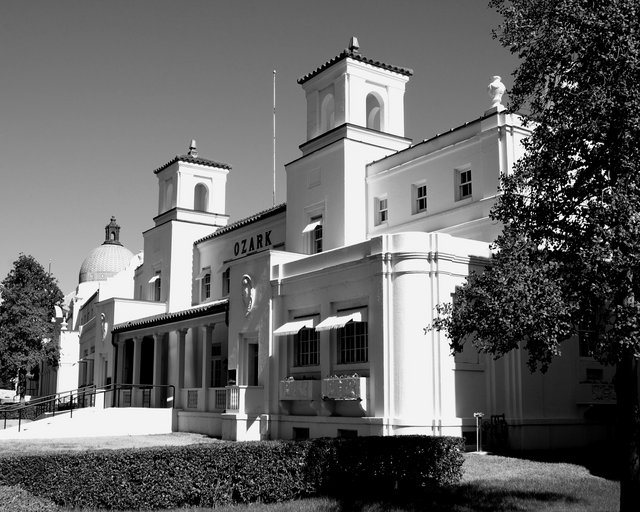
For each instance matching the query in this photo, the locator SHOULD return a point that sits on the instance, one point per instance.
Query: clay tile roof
(192, 160)
(243, 222)
(165, 318)
(360, 58)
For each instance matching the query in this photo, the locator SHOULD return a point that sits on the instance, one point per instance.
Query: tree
(568, 259)
(29, 295)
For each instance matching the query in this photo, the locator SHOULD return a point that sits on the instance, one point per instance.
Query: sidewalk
(91, 422)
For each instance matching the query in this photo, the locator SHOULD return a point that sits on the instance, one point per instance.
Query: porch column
(206, 365)
(118, 372)
(158, 393)
(137, 353)
(182, 335)
(119, 363)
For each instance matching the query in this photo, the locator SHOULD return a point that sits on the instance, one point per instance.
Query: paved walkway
(93, 422)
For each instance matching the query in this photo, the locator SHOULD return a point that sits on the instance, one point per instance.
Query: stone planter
(299, 390)
(344, 388)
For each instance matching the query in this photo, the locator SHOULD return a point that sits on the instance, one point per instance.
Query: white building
(308, 319)
(107, 271)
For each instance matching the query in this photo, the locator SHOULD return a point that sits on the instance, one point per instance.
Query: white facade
(484, 149)
(192, 195)
(308, 319)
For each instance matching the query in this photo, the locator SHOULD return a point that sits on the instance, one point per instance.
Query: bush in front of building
(224, 473)
(384, 465)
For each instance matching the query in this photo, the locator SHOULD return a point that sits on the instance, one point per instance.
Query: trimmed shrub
(239, 472)
(384, 465)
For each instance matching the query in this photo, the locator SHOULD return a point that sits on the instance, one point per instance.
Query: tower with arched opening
(355, 115)
(191, 204)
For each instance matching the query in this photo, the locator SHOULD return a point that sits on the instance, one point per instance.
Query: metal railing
(244, 399)
(233, 398)
(56, 403)
(121, 395)
(220, 399)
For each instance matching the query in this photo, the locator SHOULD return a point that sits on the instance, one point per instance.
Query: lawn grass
(76, 444)
(490, 483)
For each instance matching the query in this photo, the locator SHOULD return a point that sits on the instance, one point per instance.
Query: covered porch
(186, 349)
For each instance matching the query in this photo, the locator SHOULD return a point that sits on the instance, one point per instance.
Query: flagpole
(274, 137)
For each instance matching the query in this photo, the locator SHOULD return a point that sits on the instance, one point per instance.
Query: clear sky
(95, 95)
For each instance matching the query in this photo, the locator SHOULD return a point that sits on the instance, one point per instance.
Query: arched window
(168, 195)
(201, 198)
(327, 113)
(374, 112)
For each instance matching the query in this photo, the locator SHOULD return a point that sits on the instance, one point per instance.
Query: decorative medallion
(104, 324)
(248, 293)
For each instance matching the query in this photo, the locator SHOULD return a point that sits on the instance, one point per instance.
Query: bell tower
(353, 89)
(191, 205)
(355, 115)
(192, 187)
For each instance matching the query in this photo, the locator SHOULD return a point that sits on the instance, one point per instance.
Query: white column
(182, 334)
(158, 393)
(416, 366)
(190, 354)
(206, 366)
(118, 372)
(137, 357)
(119, 363)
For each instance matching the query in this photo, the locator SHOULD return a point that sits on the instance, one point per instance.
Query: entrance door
(252, 362)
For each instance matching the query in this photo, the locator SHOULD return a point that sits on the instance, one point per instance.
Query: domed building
(107, 271)
(108, 259)
(308, 319)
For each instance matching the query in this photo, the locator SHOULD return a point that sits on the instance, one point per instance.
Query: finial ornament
(496, 89)
(193, 150)
(354, 46)
(112, 232)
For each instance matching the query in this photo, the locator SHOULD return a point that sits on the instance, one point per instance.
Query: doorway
(252, 361)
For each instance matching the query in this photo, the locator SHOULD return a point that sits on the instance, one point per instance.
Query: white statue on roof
(496, 89)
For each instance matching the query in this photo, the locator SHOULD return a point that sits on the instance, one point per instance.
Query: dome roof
(108, 259)
(105, 261)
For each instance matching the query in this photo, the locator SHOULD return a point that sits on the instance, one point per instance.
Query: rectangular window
(347, 433)
(206, 286)
(217, 379)
(316, 235)
(305, 348)
(464, 184)
(157, 286)
(226, 282)
(421, 198)
(383, 211)
(205, 283)
(300, 434)
(418, 198)
(353, 343)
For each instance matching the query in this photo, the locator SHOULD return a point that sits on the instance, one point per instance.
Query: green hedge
(216, 474)
(384, 465)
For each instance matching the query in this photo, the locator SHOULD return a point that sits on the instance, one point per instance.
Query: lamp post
(478, 416)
